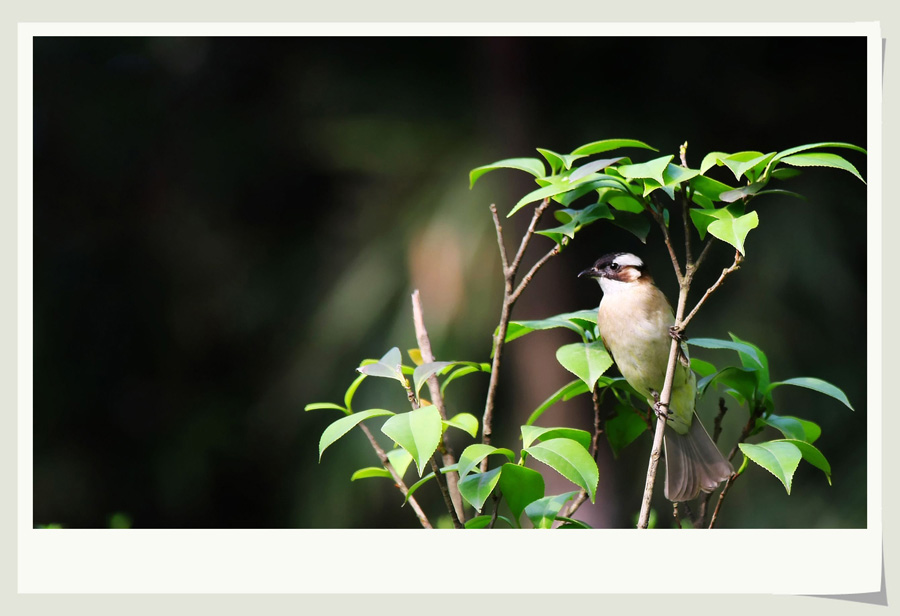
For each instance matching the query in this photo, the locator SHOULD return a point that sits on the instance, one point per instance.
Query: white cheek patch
(629, 259)
(611, 286)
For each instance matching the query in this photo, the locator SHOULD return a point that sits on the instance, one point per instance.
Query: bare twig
(717, 422)
(398, 481)
(510, 295)
(675, 515)
(722, 494)
(438, 401)
(738, 259)
(599, 424)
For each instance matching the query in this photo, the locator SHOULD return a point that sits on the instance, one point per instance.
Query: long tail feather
(693, 463)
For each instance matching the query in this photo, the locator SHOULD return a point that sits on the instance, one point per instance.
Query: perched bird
(635, 321)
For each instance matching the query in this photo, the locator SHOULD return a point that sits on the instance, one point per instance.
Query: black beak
(589, 272)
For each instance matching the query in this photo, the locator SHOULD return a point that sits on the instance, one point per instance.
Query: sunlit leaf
(652, 169)
(325, 405)
(592, 167)
(740, 347)
(464, 421)
(343, 425)
(569, 459)
(534, 166)
(608, 145)
(351, 391)
(418, 432)
(474, 454)
(780, 458)
(810, 146)
(587, 361)
(463, 371)
(369, 472)
(818, 385)
(728, 224)
(399, 459)
(794, 427)
(388, 366)
(532, 433)
(543, 511)
(483, 521)
(812, 455)
(477, 487)
(821, 159)
(708, 187)
(421, 373)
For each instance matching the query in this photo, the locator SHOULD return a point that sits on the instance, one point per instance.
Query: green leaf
(608, 145)
(623, 203)
(811, 455)
(421, 373)
(587, 361)
(388, 366)
(810, 146)
(624, 428)
(554, 185)
(794, 428)
(477, 487)
(474, 454)
(570, 523)
(520, 486)
(399, 459)
(464, 421)
(569, 459)
(463, 371)
(534, 166)
(742, 162)
(558, 161)
(676, 174)
(711, 160)
(418, 432)
(325, 405)
(818, 385)
(483, 521)
(369, 472)
(592, 167)
(566, 392)
(652, 169)
(731, 225)
(740, 347)
(569, 320)
(703, 368)
(780, 458)
(414, 487)
(744, 191)
(708, 187)
(821, 159)
(543, 511)
(575, 220)
(742, 380)
(348, 395)
(343, 425)
(532, 433)
(636, 224)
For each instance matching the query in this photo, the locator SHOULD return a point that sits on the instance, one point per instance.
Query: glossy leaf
(418, 432)
(571, 523)
(575, 220)
(744, 191)
(399, 459)
(520, 486)
(532, 433)
(676, 174)
(414, 487)
(624, 428)
(570, 320)
(534, 166)
(715, 343)
(818, 385)
(466, 422)
(325, 405)
(566, 392)
(569, 459)
(703, 368)
(812, 455)
(821, 159)
(742, 162)
(416, 356)
(369, 472)
(778, 457)
(484, 521)
(463, 371)
(386, 367)
(343, 425)
(554, 185)
(557, 161)
(794, 428)
(731, 225)
(587, 361)
(608, 145)
(742, 380)
(810, 146)
(474, 454)
(421, 373)
(708, 187)
(623, 203)
(711, 160)
(652, 169)
(477, 487)
(592, 167)
(543, 511)
(351, 391)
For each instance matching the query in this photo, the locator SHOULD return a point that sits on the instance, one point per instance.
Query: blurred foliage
(222, 226)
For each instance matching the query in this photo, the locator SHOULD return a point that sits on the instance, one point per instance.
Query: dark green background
(224, 228)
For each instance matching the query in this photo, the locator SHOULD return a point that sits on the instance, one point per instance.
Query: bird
(636, 325)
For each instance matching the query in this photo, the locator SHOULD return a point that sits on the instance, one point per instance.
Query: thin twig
(722, 494)
(675, 515)
(599, 425)
(398, 481)
(509, 299)
(437, 399)
(717, 422)
(738, 259)
(685, 206)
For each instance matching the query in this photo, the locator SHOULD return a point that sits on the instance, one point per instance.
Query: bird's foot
(678, 334)
(661, 410)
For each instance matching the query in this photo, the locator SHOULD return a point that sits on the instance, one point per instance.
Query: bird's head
(617, 270)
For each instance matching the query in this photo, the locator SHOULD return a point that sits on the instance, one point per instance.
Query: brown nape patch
(630, 273)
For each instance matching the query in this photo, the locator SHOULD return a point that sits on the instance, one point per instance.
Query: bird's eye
(613, 266)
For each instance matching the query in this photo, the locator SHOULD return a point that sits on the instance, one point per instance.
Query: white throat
(611, 287)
